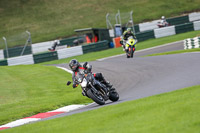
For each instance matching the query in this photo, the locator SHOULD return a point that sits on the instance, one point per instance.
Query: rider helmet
(74, 64)
(163, 17)
(129, 30)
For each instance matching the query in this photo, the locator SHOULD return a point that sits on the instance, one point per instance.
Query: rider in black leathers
(79, 69)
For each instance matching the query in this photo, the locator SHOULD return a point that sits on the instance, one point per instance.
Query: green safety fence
(178, 20)
(92, 47)
(136, 28)
(3, 62)
(47, 56)
(16, 51)
(145, 35)
(184, 28)
(68, 41)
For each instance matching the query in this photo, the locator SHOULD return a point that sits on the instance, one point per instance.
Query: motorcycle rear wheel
(96, 97)
(113, 95)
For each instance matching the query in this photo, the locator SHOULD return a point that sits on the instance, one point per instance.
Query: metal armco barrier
(21, 60)
(166, 31)
(69, 52)
(148, 25)
(1, 55)
(196, 25)
(41, 47)
(194, 16)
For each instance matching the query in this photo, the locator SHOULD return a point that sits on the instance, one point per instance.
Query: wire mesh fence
(20, 40)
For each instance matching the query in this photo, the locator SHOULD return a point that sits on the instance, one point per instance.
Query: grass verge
(174, 112)
(30, 89)
(141, 45)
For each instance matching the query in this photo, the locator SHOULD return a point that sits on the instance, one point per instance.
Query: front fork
(132, 47)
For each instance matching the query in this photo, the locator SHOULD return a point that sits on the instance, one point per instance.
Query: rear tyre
(113, 95)
(96, 97)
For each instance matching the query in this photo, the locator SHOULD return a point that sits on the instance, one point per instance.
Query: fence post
(6, 46)
(27, 41)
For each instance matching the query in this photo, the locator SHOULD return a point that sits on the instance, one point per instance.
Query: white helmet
(163, 17)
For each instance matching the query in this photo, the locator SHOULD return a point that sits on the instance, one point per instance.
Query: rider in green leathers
(127, 33)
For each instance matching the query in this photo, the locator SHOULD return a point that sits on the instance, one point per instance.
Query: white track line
(68, 108)
(69, 71)
(20, 122)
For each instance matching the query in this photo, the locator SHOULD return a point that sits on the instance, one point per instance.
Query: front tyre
(96, 97)
(128, 54)
(113, 95)
(131, 52)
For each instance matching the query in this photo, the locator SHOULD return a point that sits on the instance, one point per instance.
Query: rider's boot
(123, 47)
(107, 83)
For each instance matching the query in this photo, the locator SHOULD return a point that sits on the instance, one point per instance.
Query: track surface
(146, 76)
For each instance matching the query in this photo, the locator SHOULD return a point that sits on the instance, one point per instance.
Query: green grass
(141, 45)
(50, 19)
(176, 52)
(30, 89)
(174, 112)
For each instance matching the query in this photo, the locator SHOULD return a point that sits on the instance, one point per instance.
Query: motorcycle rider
(79, 69)
(55, 44)
(163, 22)
(125, 36)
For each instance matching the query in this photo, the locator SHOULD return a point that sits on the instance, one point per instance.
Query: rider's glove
(68, 83)
(74, 85)
(86, 71)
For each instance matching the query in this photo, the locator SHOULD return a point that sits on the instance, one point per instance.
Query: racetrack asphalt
(140, 77)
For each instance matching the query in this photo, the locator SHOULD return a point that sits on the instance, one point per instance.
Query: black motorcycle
(96, 90)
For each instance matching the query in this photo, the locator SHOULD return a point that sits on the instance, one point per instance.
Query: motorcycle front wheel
(131, 52)
(96, 97)
(127, 54)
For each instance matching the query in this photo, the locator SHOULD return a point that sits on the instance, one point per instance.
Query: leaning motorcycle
(161, 25)
(130, 47)
(96, 90)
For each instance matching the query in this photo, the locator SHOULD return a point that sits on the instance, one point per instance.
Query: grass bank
(50, 19)
(174, 112)
(30, 89)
